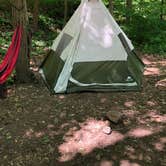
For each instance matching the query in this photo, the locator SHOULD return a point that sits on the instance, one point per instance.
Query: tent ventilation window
(64, 42)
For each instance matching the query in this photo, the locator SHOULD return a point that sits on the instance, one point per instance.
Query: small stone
(114, 116)
(61, 97)
(107, 130)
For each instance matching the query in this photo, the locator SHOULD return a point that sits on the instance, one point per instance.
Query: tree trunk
(128, 10)
(65, 11)
(111, 6)
(162, 6)
(19, 15)
(35, 15)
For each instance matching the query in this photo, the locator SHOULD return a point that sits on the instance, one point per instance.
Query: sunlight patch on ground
(162, 63)
(140, 132)
(130, 113)
(152, 66)
(131, 152)
(147, 61)
(128, 163)
(31, 134)
(157, 118)
(129, 103)
(64, 125)
(152, 71)
(90, 136)
(161, 84)
(151, 103)
(160, 145)
(106, 163)
(152, 116)
(61, 96)
(153, 61)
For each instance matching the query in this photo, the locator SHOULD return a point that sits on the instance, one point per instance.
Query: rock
(107, 130)
(114, 116)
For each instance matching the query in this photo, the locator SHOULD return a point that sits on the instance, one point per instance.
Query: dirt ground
(37, 129)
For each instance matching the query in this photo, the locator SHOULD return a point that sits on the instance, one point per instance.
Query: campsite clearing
(41, 130)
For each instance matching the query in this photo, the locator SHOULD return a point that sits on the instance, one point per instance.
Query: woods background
(144, 21)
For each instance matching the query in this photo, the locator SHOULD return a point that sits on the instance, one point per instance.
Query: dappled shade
(85, 140)
(152, 67)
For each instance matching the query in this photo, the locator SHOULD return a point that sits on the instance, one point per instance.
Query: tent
(92, 53)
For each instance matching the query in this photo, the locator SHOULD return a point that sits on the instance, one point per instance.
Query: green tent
(92, 53)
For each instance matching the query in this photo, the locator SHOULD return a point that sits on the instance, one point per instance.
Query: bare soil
(37, 129)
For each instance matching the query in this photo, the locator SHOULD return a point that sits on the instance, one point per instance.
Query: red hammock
(9, 62)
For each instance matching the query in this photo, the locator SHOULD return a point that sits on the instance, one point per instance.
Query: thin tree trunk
(111, 6)
(35, 15)
(128, 10)
(19, 15)
(162, 12)
(65, 11)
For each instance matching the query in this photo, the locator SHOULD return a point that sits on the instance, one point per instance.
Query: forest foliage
(146, 28)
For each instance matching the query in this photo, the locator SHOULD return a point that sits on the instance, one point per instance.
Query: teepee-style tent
(92, 53)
